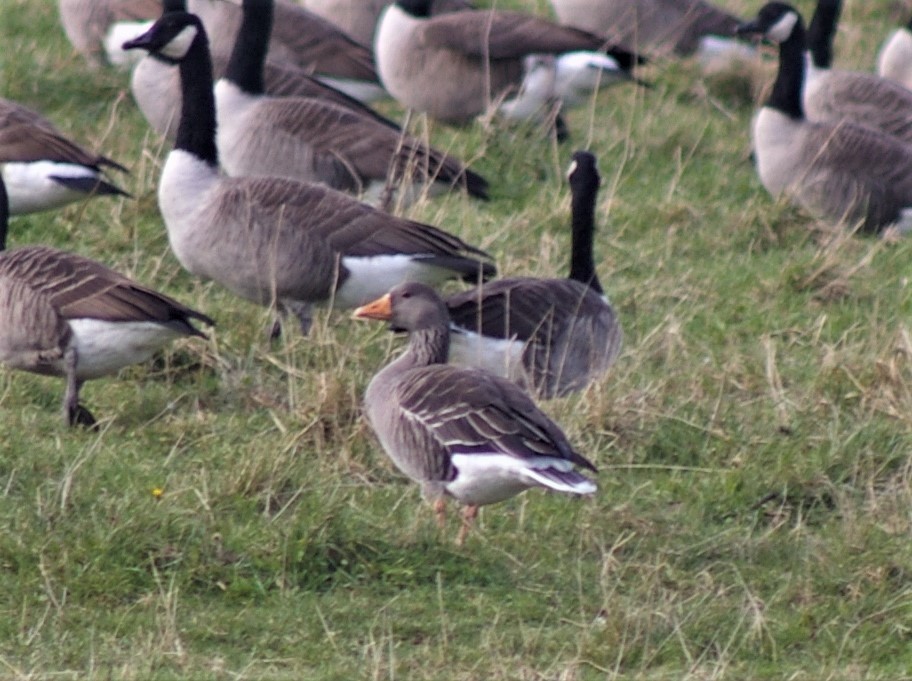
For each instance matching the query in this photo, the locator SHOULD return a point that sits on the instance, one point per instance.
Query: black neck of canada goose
(4, 214)
(174, 6)
(196, 128)
(417, 8)
(821, 31)
(248, 56)
(584, 185)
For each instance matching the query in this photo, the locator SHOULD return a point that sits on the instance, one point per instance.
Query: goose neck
(196, 127)
(786, 94)
(428, 346)
(248, 56)
(582, 261)
(4, 214)
(821, 31)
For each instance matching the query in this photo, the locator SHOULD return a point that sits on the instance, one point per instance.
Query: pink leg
(469, 513)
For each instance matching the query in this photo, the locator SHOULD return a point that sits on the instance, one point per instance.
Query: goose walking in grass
(301, 39)
(460, 433)
(455, 66)
(275, 241)
(43, 169)
(97, 28)
(315, 140)
(65, 315)
(835, 95)
(894, 61)
(155, 84)
(551, 336)
(658, 27)
(838, 171)
(359, 18)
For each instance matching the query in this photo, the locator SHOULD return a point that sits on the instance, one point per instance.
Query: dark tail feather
(88, 185)
(476, 185)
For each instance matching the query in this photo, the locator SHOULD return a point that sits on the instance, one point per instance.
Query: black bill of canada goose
(99, 27)
(302, 39)
(460, 433)
(835, 95)
(838, 171)
(657, 27)
(276, 241)
(455, 66)
(359, 18)
(42, 168)
(551, 336)
(894, 61)
(65, 315)
(155, 84)
(315, 140)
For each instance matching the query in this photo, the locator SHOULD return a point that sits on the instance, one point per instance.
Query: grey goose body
(311, 139)
(834, 94)
(301, 39)
(42, 168)
(551, 336)
(839, 171)
(62, 314)
(277, 241)
(455, 66)
(460, 433)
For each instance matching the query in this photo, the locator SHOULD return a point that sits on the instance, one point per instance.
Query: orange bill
(377, 309)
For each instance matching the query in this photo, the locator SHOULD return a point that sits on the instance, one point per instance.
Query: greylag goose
(315, 140)
(275, 241)
(838, 171)
(461, 433)
(551, 336)
(455, 66)
(42, 168)
(835, 95)
(65, 315)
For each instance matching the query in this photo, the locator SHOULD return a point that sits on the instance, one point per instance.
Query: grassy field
(233, 518)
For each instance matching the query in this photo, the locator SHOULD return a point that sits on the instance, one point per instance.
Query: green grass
(754, 439)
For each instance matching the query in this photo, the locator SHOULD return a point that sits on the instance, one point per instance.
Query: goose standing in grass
(657, 27)
(315, 140)
(275, 241)
(65, 315)
(834, 95)
(551, 336)
(43, 169)
(97, 27)
(461, 433)
(894, 61)
(359, 18)
(455, 66)
(839, 171)
(301, 39)
(155, 84)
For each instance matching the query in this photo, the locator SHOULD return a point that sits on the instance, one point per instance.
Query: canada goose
(841, 171)
(312, 139)
(463, 433)
(551, 336)
(65, 315)
(273, 240)
(43, 169)
(97, 27)
(358, 18)
(835, 95)
(655, 27)
(155, 84)
(453, 66)
(894, 61)
(301, 39)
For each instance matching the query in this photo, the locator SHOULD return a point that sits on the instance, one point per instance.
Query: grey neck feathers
(428, 346)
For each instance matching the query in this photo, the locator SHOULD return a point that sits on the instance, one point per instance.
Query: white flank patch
(782, 29)
(499, 356)
(106, 347)
(370, 278)
(361, 90)
(579, 74)
(119, 33)
(30, 187)
(178, 46)
(715, 52)
(536, 91)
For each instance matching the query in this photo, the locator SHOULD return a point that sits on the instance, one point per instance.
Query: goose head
(411, 306)
(776, 21)
(170, 38)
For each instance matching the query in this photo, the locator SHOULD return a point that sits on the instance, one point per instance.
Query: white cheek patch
(571, 169)
(178, 46)
(782, 29)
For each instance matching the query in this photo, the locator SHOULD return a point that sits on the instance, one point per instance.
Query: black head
(583, 172)
(776, 21)
(171, 37)
(417, 8)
